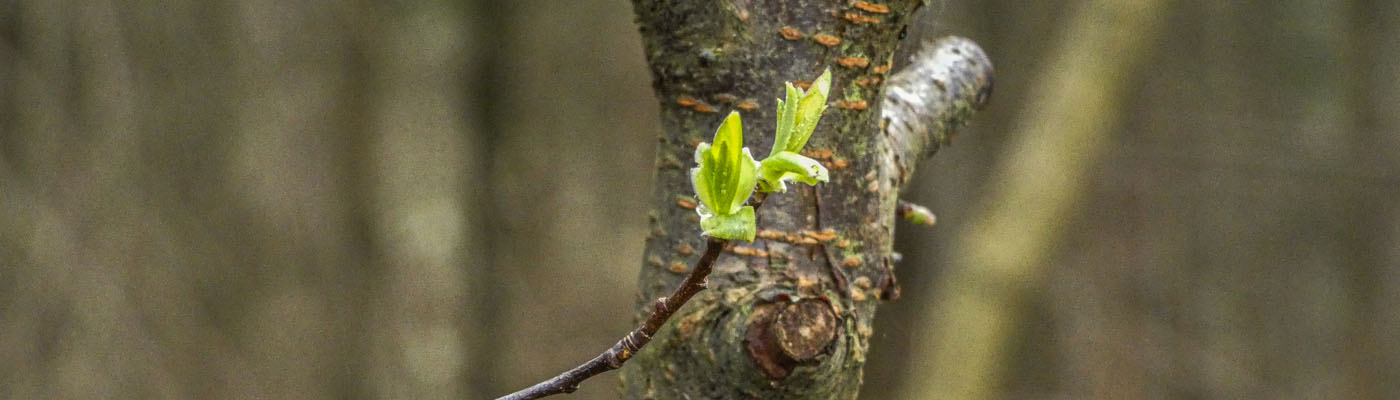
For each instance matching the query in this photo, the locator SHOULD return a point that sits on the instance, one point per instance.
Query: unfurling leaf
(797, 119)
(798, 115)
(724, 181)
(809, 111)
(728, 173)
(787, 166)
(787, 114)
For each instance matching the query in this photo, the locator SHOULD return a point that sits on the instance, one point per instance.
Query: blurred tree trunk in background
(1061, 139)
(571, 127)
(1240, 239)
(251, 199)
(314, 200)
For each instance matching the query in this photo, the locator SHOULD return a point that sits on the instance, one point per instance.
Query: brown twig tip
(624, 349)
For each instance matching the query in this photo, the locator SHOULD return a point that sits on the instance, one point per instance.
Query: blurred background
(354, 199)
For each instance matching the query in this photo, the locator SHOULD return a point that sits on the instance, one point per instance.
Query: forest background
(440, 199)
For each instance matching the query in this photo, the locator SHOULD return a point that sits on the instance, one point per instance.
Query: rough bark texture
(789, 315)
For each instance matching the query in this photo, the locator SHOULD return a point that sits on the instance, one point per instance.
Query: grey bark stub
(782, 318)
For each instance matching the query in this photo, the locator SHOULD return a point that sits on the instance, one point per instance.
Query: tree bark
(789, 315)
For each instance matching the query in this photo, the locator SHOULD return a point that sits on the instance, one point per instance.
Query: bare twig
(614, 357)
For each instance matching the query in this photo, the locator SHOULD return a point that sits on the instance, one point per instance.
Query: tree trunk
(789, 315)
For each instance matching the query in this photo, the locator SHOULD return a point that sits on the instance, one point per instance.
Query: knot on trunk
(782, 335)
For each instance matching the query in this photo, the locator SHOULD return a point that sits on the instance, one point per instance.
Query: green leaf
(823, 83)
(736, 226)
(799, 114)
(727, 172)
(787, 166)
(809, 111)
(787, 114)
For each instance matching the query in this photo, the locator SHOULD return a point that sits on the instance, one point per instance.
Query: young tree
(788, 315)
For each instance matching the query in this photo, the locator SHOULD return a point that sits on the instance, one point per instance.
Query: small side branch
(614, 357)
(926, 102)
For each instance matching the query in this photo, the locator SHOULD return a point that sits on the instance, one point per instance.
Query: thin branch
(614, 357)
